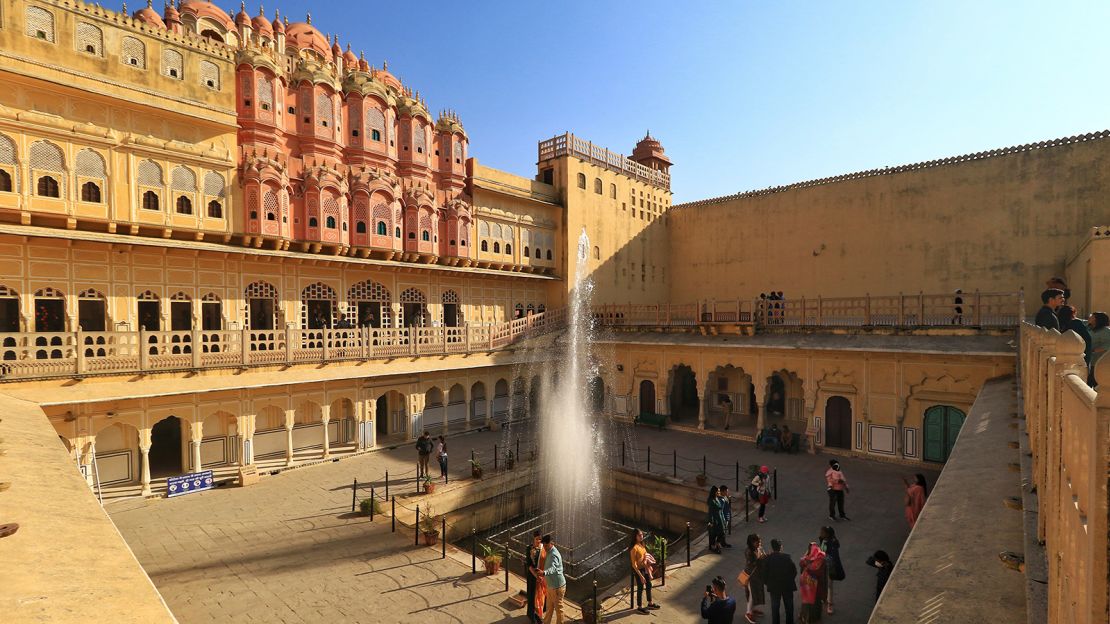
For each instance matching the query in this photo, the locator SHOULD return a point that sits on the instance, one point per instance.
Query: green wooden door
(941, 428)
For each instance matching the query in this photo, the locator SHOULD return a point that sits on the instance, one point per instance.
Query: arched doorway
(684, 393)
(166, 447)
(501, 401)
(478, 401)
(942, 426)
(838, 422)
(534, 397)
(381, 416)
(776, 397)
(456, 404)
(433, 410)
(647, 397)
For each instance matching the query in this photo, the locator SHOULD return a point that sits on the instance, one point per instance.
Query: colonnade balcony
(29, 355)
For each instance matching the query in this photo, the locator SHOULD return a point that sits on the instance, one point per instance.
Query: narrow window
(215, 210)
(383, 230)
(581, 180)
(184, 205)
(5, 181)
(375, 135)
(425, 236)
(312, 222)
(508, 248)
(150, 201)
(497, 248)
(360, 227)
(90, 192)
(48, 187)
(330, 223)
(484, 246)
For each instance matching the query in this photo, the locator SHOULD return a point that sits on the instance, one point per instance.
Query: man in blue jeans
(779, 573)
(717, 607)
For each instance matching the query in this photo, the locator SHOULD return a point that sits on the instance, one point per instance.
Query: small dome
(261, 24)
(149, 16)
(171, 16)
(304, 36)
(279, 26)
(362, 64)
(241, 18)
(349, 58)
(204, 8)
(387, 78)
(336, 51)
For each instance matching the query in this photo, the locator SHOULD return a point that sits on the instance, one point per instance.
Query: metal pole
(595, 598)
(373, 503)
(387, 484)
(775, 483)
(416, 527)
(622, 453)
(354, 494)
(393, 515)
(747, 514)
(649, 458)
(674, 458)
(687, 544)
(703, 467)
(473, 551)
(505, 560)
(495, 458)
(443, 537)
(737, 477)
(518, 449)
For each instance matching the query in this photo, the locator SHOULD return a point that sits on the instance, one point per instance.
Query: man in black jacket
(1046, 316)
(779, 573)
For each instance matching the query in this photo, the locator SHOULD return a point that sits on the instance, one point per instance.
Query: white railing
(568, 144)
(51, 354)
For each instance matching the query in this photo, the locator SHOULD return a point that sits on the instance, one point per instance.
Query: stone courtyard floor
(288, 549)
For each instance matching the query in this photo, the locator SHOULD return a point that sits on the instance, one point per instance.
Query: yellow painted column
(290, 415)
(144, 450)
(325, 417)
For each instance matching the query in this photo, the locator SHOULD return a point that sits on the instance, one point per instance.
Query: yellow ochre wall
(997, 223)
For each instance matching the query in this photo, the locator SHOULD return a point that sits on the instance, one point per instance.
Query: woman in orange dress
(916, 493)
(541, 583)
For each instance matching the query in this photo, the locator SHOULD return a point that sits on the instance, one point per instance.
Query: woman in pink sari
(814, 583)
(916, 493)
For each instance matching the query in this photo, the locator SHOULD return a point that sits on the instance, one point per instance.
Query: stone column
(245, 425)
(466, 402)
(325, 417)
(761, 420)
(144, 479)
(290, 415)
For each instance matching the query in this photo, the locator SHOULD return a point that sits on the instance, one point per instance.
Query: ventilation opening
(265, 106)
(133, 61)
(41, 34)
(246, 102)
(292, 111)
(354, 133)
(90, 49)
(211, 84)
(173, 73)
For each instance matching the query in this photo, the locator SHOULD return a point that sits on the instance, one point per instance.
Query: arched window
(90, 164)
(496, 247)
(425, 236)
(330, 223)
(360, 227)
(133, 53)
(323, 110)
(581, 180)
(90, 39)
(397, 232)
(5, 181)
(484, 246)
(48, 187)
(210, 75)
(173, 64)
(508, 248)
(270, 216)
(214, 184)
(537, 253)
(526, 252)
(7, 157)
(613, 191)
(375, 123)
(90, 192)
(215, 210)
(265, 92)
(383, 230)
(150, 201)
(376, 135)
(40, 24)
(597, 185)
(150, 173)
(312, 222)
(597, 253)
(184, 205)
(548, 254)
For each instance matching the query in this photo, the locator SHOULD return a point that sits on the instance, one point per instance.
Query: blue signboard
(195, 482)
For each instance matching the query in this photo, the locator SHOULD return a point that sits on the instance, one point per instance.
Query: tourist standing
(441, 455)
(753, 568)
(715, 519)
(1059, 284)
(716, 606)
(882, 561)
(424, 451)
(958, 308)
(813, 586)
(779, 573)
(726, 407)
(916, 493)
(1099, 323)
(556, 582)
(836, 486)
(760, 491)
(726, 511)
(1066, 315)
(641, 571)
(535, 573)
(834, 568)
(1046, 316)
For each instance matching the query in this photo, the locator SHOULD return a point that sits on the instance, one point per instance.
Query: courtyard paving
(289, 550)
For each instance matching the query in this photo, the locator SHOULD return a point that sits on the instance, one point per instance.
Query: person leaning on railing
(1099, 324)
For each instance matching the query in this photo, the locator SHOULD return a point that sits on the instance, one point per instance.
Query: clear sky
(743, 95)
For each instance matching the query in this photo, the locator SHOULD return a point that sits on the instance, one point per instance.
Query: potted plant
(657, 546)
(700, 478)
(429, 527)
(510, 461)
(366, 504)
(429, 485)
(491, 559)
(476, 468)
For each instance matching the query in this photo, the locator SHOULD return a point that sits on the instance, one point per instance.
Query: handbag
(649, 561)
(744, 578)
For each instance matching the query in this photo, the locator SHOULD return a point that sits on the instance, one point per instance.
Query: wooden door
(838, 422)
(647, 397)
(941, 427)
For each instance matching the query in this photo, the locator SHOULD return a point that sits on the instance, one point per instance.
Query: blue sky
(744, 95)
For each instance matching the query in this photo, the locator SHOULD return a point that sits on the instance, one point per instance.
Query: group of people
(772, 310)
(775, 439)
(426, 447)
(1056, 313)
(546, 583)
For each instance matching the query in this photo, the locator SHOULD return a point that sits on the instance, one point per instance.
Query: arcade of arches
(902, 405)
(137, 441)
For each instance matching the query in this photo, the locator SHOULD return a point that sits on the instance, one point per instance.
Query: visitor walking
(779, 573)
(958, 308)
(556, 582)
(716, 606)
(726, 510)
(834, 568)
(752, 577)
(882, 561)
(1066, 315)
(1099, 323)
(813, 586)
(424, 451)
(760, 491)
(441, 456)
(726, 407)
(837, 487)
(641, 571)
(787, 439)
(535, 573)
(715, 520)
(916, 493)
(1046, 316)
